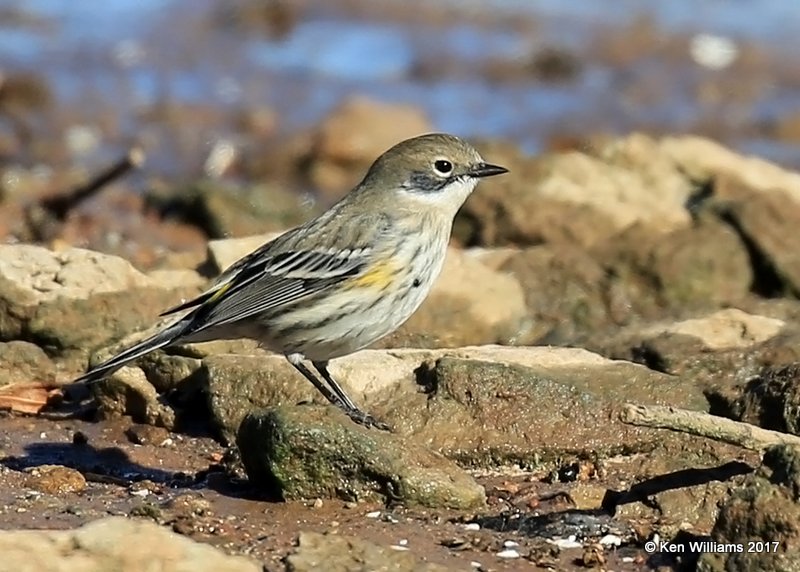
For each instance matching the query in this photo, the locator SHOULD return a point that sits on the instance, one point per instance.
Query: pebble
(55, 480)
(569, 542)
(472, 526)
(373, 514)
(611, 540)
(508, 553)
(510, 544)
(147, 435)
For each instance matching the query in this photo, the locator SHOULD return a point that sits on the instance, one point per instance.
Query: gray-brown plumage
(345, 279)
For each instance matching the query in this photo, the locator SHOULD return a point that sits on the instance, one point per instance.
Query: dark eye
(443, 166)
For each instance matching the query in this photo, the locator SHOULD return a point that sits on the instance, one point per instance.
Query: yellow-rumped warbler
(344, 279)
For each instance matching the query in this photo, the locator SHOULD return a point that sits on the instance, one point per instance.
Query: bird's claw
(365, 419)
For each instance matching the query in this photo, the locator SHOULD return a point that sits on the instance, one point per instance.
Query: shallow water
(469, 70)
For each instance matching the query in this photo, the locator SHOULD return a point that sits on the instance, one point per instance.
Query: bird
(340, 281)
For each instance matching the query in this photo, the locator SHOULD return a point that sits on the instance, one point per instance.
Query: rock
(573, 293)
(494, 258)
(772, 399)
(128, 392)
(63, 301)
(311, 452)
(564, 291)
(354, 135)
(23, 362)
(698, 267)
(723, 330)
(107, 544)
(229, 211)
(765, 510)
(237, 384)
(317, 551)
(767, 222)
(677, 484)
(147, 435)
(55, 480)
(703, 160)
(136, 389)
(486, 412)
(577, 197)
(475, 404)
(721, 351)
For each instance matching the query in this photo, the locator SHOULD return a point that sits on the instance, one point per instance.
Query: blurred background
(299, 96)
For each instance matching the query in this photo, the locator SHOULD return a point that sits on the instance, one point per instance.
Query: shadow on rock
(670, 481)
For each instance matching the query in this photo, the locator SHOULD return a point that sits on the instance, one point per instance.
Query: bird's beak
(486, 170)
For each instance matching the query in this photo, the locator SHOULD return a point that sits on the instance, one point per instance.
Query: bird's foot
(364, 418)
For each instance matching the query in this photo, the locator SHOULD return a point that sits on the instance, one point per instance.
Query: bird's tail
(159, 340)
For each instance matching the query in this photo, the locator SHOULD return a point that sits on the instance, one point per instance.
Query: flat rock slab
(317, 551)
(72, 301)
(483, 412)
(308, 452)
(114, 543)
(726, 329)
(476, 404)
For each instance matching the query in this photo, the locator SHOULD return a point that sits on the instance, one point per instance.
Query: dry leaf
(25, 397)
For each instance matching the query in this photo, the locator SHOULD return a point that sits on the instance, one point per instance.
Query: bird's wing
(268, 282)
(228, 275)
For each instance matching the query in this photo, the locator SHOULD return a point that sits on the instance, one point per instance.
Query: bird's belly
(357, 323)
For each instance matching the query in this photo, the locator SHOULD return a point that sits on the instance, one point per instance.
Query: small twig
(107, 479)
(705, 425)
(44, 218)
(60, 205)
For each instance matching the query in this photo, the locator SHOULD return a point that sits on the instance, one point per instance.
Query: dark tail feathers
(163, 338)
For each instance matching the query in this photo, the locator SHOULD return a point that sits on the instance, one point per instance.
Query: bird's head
(434, 171)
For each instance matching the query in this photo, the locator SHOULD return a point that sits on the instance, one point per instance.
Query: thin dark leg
(352, 409)
(322, 368)
(300, 366)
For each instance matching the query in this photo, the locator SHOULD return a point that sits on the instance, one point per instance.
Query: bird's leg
(322, 368)
(352, 410)
(301, 367)
(338, 397)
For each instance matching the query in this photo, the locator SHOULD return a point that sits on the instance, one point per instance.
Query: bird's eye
(443, 166)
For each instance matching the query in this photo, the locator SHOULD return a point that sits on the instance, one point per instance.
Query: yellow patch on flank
(379, 276)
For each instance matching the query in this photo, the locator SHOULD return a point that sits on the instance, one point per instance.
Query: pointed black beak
(486, 170)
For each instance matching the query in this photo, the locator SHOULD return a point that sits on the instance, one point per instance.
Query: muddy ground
(180, 482)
